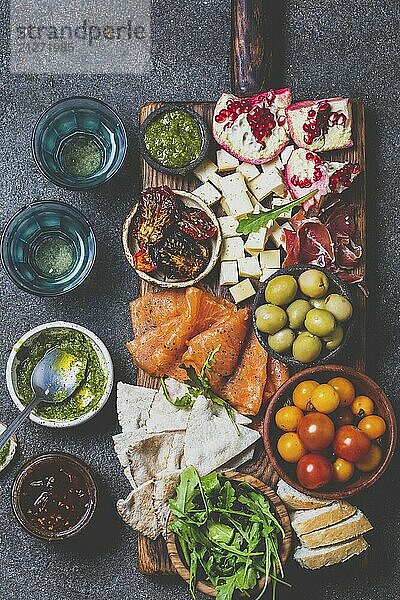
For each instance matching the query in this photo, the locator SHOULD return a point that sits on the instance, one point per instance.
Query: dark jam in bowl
(54, 496)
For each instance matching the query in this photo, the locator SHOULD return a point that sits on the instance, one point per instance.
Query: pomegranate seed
(311, 113)
(306, 126)
(356, 169)
(317, 174)
(341, 119)
(309, 156)
(323, 106)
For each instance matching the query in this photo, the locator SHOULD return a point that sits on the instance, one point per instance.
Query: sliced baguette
(306, 521)
(297, 500)
(351, 527)
(329, 555)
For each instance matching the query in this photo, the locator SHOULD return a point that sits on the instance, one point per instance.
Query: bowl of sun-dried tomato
(171, 238)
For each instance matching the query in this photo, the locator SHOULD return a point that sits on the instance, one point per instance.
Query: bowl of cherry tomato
(330, 431)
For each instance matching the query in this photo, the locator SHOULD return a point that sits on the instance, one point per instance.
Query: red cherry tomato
(316, 431)
(314, 471)
(351, 443)
(343, 416)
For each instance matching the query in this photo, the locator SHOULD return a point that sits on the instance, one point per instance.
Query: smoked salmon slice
(244, 390)
(155, 308)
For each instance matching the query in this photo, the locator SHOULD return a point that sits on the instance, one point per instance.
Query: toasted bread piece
(297, 500)
(329, 555)
(351, 527)
(306, 521)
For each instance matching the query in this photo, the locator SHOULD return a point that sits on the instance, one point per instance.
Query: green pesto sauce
(4, 453)
(174, 140)
(87, 396)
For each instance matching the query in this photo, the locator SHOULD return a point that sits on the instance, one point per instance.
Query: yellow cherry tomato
(290, 447)
(371, 461)
(325, 398)
(302, 394)
(373, 425)
(343, 470)
(362, 406)
(344, 388)
(288, 417)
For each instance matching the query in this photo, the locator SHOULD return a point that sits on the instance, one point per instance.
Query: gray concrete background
(330, 47)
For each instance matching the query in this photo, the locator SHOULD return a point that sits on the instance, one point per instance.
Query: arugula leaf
(226, 591)
(227, 496)
(253, 223)
(219, 532)
(193, 573)
(211, 484)
(186, 491)
(187, 401)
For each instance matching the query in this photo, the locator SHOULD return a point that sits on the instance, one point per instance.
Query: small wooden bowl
(336, 286)
(157, 278)
(280, 512)
(364, 385)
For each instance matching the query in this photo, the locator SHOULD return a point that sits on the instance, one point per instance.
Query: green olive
(306, 347)
(318, 302)
(282, 340)
(339, 306)
(297, 313)
(334, 339)
(281, 290)
(270, 318)
(320, 322)
(313, 283)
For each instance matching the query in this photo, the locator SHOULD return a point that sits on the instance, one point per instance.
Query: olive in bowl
(302, 315)
(330, 431)
(174, 139)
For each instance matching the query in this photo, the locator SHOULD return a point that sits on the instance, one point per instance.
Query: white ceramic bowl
(101, 351)
(131, 246)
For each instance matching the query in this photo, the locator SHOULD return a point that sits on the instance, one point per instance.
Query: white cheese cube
(228, 274)
(256, 240)
(249, 267)
(248, 171)
(205, 170)
(286, 153)
(277, 234)
(232, 248)
(208, 193)
(280, 202)
(225, 161)
(275, 163)
(270, 259)
(267, 183)
(233, 184)
(217, 181)
(239, 204)
(228, 226)
(266, 274)
(242, 291)
(225, 207)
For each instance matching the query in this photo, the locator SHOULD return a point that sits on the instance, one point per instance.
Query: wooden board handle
(251, 47)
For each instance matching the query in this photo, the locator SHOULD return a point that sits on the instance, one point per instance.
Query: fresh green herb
(228, 534)
(199, 385)
(253, 223)
(4, 453)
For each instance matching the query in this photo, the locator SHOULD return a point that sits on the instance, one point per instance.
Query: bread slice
(306, 521)
(329, 555)
(297, 500)
(340, 532)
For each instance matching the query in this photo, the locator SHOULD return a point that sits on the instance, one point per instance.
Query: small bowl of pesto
(174, 139)
(79, 143)
(91, 395)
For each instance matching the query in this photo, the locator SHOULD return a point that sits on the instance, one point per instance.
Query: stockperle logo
(80, 37)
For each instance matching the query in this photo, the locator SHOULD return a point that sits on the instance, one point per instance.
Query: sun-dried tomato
(142, 261)
(196, 223)
(156, 212)
(180, 256)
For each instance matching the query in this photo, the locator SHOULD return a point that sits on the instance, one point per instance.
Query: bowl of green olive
(302, 315)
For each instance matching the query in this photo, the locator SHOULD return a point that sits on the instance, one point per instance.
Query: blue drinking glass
(48, 248)
(79, 143)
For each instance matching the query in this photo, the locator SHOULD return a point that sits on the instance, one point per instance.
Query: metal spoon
(54, 379)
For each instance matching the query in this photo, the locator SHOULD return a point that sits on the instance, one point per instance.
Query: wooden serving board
(152, 555)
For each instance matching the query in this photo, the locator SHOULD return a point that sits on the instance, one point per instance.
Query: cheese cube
(242, 291)
(275, 163)
(225, 161)
(232, 248)
(228, 226)
(217, 181)
(239, 204)
(233, 184)
(280, 202)
(228, 274)
(205, 170)
(248, 171)
(256, 240)
(270, 259)
(225, 207)
(267, 273)
(277, 234)
(285, 154)
(266, 183)
(249, 267)
(207, 193)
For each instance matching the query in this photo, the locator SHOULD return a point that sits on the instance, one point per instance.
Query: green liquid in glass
(81, 156)
(54, 257)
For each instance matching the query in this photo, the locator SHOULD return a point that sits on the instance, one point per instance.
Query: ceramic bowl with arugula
(228, 533)
(93, 392)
